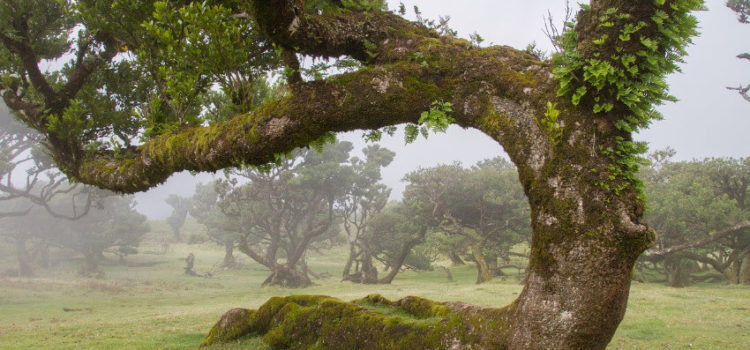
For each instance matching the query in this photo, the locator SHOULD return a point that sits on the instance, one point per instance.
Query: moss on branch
(371, 98)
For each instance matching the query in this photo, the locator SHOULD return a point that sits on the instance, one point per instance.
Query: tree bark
(745, 269)
(90, 266)
(283, 276)
(483, 269)
(455, 258)
(395, 264)
(229, 260)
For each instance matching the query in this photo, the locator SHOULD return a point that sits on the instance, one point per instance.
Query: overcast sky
(708, 121)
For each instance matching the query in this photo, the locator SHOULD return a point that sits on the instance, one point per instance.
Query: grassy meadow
(149, 303)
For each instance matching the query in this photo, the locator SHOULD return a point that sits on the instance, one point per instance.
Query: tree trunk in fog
(283, 276)
(229, 260)
(395, 264)
(678, 272)
(43, 251)
(745, 269)
(90, 265)
(25, 268)
(349, 262)
(483, 269)
(455, 258)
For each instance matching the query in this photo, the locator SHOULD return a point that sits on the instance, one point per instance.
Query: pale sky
(708, 121)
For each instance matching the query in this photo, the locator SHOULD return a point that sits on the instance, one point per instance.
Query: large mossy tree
(125, 113)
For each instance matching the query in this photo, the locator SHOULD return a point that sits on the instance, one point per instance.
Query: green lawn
(151, 304)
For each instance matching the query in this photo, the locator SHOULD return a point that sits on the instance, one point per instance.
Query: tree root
(373, 322)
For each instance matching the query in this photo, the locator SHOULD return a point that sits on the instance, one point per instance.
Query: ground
(151, 304)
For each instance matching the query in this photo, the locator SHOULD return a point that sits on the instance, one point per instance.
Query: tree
(366, 198)
(19, 150)
(685, 208)
(487, 208)
(284, 210)
(698, 210)
(222, 229)
(176, 220)
(111, 223)
(566, 124)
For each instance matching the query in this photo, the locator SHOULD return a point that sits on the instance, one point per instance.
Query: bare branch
(713, 238)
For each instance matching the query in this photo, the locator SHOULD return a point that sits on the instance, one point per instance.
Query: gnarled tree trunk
(25, 268)
(745, 269)
(284, 276)
(229, 260)
(483, 268)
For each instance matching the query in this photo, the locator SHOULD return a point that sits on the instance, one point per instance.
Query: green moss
(233, 324)
(373, 322)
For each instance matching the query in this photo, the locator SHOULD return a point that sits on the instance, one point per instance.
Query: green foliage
(342, 6)
(688, 201)
(291, 204)
(623, 70)
(437, 119)
(550, 124)
(483, 206)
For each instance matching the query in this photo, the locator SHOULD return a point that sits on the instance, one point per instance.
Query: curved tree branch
(371, 98)
(713, 238)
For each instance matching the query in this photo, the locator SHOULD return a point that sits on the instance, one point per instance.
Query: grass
(152, 304)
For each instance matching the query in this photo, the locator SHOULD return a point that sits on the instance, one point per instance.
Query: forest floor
(149, 303)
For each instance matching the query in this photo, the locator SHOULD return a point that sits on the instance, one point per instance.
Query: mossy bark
(483, 268)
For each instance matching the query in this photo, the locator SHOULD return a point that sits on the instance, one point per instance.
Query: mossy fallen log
(373, 322)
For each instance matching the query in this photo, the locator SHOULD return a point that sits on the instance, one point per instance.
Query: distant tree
(111, 223)
(22, 160)
(690, 203)
(114, 223)
(483, 205)
(364, 200)
(221, 228)
(176, 220)
(285, 209)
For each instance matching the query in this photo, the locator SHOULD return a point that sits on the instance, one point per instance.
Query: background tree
(566, 124)
(180, 207)
(690, 203)
(365, 199)
(222, 229)
(490, 212)
(112, 223)
(22, 160)
(285, 209)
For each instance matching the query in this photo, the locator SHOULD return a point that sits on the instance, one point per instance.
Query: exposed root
(373, 322)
